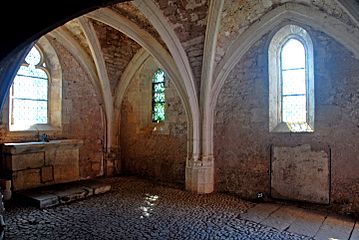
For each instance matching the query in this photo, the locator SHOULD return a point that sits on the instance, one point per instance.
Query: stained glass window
(29, 93)
(291, 81)
(294, 99)
(158, 96)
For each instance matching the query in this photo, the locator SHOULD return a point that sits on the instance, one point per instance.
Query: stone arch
(141, 56)
(104, 83)
(144, 39)
(80, 55)
(56, 81)
(54, 69)
(291, 12)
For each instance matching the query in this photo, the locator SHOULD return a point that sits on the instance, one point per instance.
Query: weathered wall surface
(118, 50)
(153, 150)
(131, 12)
(237, 17)
(82, 117)
(242, 139)
(82, 114)
(292, 168)
(189, 21)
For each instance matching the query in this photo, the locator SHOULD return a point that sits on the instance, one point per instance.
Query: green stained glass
(158, 96)
(158, 87)
(158, 76)
(158, 114)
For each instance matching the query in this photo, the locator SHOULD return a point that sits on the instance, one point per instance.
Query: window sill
(285, 127)
(35, 129)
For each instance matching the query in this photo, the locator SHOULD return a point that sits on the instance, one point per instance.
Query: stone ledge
(27, 147)
(55, 195)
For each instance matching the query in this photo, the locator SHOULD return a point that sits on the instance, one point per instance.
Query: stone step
(54, 195)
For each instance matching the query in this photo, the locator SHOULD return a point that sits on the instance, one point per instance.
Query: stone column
(112, 162)
(200, 175)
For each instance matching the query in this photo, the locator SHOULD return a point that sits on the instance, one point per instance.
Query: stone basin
(34, 164)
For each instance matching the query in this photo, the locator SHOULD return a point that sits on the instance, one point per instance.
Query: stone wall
(82, 116)
(152, 150)
(238, 16)
(241, 136)
(118, 50)
(189, 21)
(132, 13)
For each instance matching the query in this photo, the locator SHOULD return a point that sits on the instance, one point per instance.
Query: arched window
(29, 93)
(291, 81)
(158, 96)
(35, 97)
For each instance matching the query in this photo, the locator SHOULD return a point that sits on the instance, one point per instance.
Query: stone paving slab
(97, 186)
(355, 233)
(73, 192)
(307, 223)
(39, 199)
(54, 195)
(260, 212)
(282, 218)
(335, 227)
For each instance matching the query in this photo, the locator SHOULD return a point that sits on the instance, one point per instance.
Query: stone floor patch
(140, 209)
(54, 195)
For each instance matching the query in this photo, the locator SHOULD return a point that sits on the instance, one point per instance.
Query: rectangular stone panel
(47, 174)
(24, 161)
(66, 165)
(25, 179)
(300, 173)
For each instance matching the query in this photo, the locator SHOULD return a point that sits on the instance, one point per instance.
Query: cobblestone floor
(139, 209)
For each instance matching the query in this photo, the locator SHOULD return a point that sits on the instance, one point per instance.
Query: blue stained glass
(31, 88)
(294, 103)
(29, 112)
(293, 82)
(293, 55)
(33, 57)
(294, 109)
(31, 71)
(29, 104)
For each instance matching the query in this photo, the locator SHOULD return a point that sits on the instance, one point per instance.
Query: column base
(112, 162)
(200, 176)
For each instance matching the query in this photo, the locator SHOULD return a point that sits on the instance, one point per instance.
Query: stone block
(96, 186)
(47, 174)
(73, 193)
(50, 157)
(66, 164)
(25, 179)
(300, 173)
(24, 161)
(38, 199)
(99, 189)
(96, 166)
